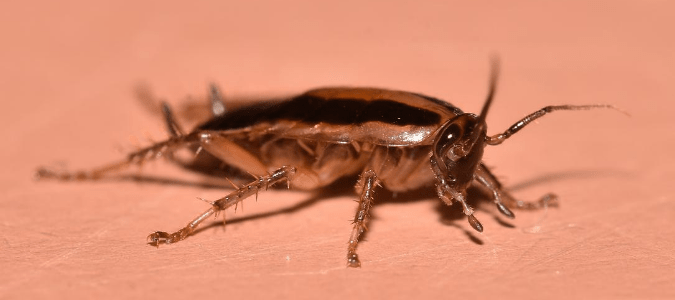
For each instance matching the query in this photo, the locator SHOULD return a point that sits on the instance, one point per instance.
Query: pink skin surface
(68, 80)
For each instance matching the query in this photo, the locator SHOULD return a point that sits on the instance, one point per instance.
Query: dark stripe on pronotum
(313, 109)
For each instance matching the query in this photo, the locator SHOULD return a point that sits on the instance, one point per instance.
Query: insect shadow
(344, 188)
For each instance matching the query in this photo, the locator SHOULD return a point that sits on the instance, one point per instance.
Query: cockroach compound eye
(396, 140)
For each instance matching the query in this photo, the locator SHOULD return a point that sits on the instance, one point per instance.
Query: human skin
(69, 82)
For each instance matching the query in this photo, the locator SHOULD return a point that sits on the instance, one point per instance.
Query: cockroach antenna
(494, 75)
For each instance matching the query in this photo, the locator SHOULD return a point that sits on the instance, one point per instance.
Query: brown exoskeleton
(399, 140)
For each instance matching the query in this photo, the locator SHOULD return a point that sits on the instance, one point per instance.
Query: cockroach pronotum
(397, 140)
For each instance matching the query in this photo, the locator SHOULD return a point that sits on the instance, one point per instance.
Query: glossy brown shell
(343, 115)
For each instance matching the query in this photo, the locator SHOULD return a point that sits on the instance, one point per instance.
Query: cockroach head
(458, 146)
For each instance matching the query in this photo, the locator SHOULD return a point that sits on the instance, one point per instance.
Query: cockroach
(397, 140)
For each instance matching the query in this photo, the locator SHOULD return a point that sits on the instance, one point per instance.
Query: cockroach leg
(448, 194)
(485, 178)
(157, 150)
(473, 221)
(548, 200)
(172, 126)
(262, 183)
(367, 185)
(468, 211)
(230, 152)
(503, 199)
(499, 138)
(217, 104)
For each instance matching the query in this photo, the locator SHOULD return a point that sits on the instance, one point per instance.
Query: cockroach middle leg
(367, 185)
(262, 183)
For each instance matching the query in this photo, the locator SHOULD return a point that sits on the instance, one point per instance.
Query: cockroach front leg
(367, 185)
(262, 183)
(485, 178)
(447, 194)
(503, 199)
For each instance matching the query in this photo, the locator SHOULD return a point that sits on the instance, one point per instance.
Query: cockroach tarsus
(397, 140)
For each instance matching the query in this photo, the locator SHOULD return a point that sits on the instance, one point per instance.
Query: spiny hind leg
(220, 146)
(137, 158)
(262, 183)
(503, 199)
(367, 185)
